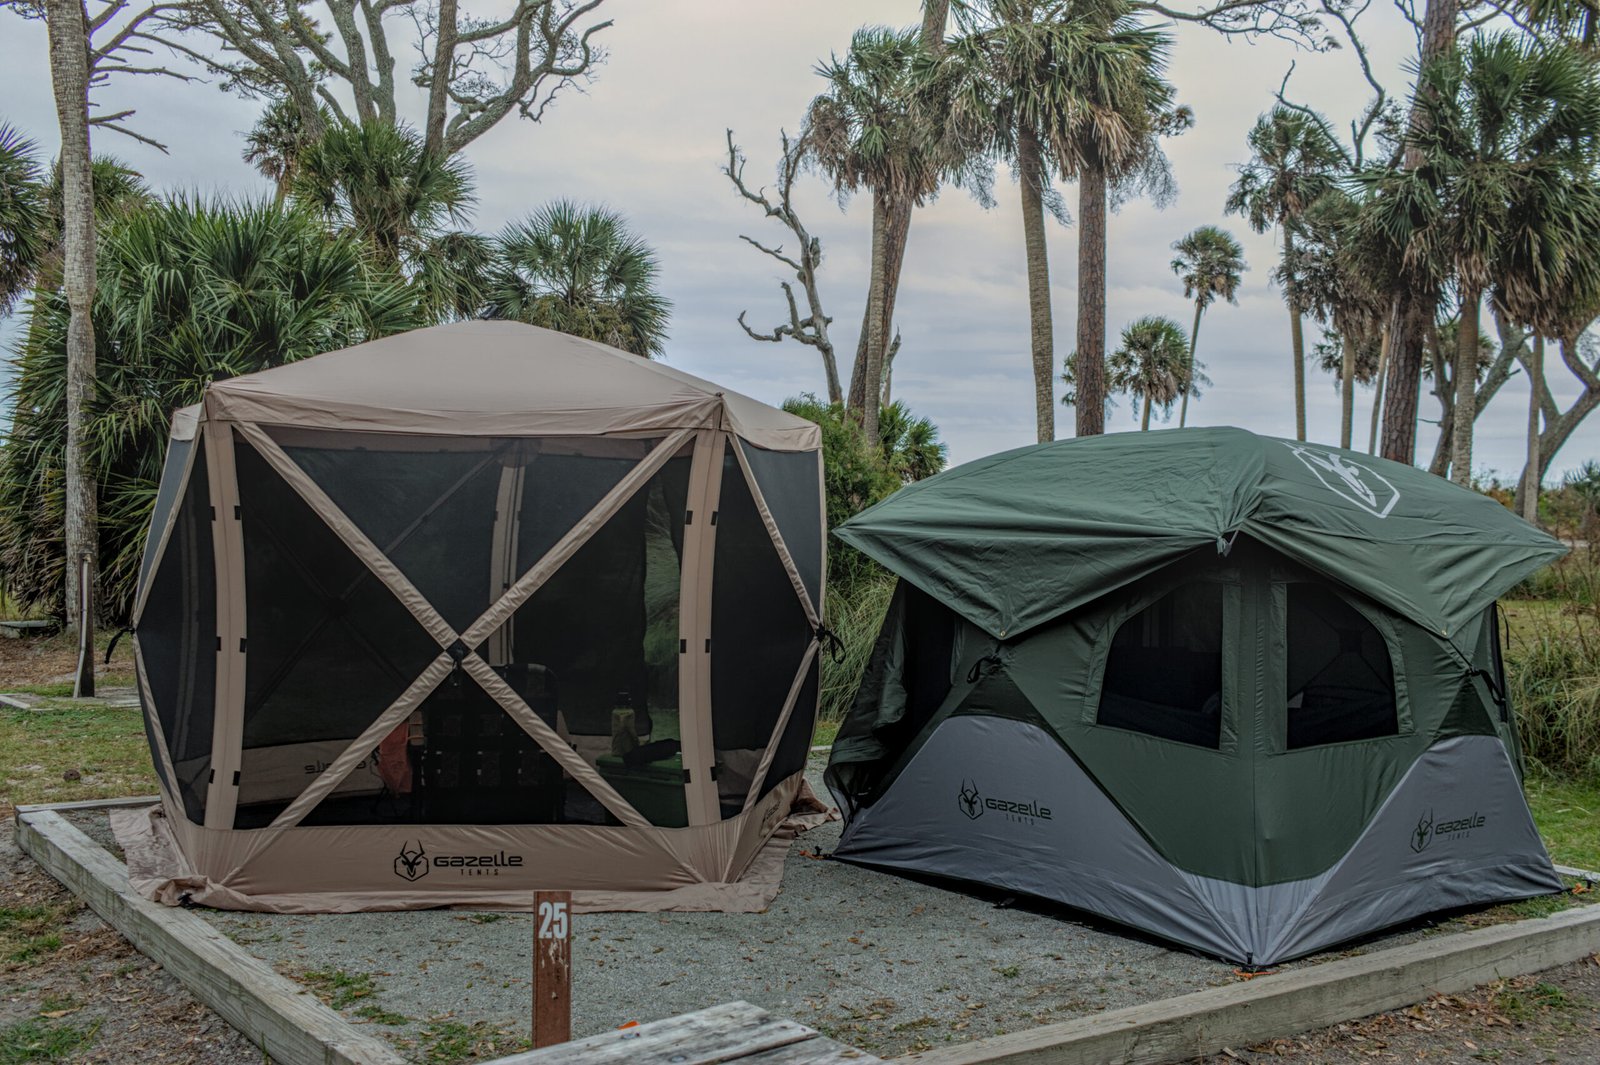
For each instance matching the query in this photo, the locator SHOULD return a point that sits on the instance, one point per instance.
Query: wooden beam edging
(1292, 1002)
(288, 1024)
(733, 1032)
(88, 804)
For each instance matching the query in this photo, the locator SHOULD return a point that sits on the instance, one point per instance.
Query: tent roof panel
(1018, 538)
(497, 378)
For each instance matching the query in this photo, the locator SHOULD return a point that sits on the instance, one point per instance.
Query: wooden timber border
(289, 1025)
(294, 1028)
(1292, 1002)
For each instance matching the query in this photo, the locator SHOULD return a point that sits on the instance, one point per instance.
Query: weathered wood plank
(289, 1025)
(732, 1031)
(818, 1051)
(1287, 1003)
(89, 804)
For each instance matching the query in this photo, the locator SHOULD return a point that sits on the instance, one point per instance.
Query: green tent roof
(1015, 539)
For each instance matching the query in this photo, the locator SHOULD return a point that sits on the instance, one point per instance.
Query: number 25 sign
(552, 968)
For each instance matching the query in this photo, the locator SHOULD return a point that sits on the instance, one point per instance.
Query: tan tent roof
(496, 378)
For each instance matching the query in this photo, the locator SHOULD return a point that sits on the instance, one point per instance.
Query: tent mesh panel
(759, 633)
(1164, 672)
(329, 649)
(1340, 679)
(166, 498)
(178, 642)
(788, 482)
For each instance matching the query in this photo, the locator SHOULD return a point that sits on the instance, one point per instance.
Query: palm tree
(865, 133)
(378, 182)
(1293, 162)
(1209, 262)
(580, 270)
(24, 233)
(243, 287)
(278, 140)
(1153, 364)
(1507, 123)
(1060, 89)
(911, 445)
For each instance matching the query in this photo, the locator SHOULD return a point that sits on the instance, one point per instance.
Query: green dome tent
(1239, 692)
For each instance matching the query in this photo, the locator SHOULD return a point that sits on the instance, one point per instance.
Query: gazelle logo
(1422, 835)
(971, 803)
(411, 864)
(1353, 481)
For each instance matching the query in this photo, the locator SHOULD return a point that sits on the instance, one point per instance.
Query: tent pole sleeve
(227, 548)
(783, 723)
(813, 611)
(568, 545)
(694, 625)
(547, 738)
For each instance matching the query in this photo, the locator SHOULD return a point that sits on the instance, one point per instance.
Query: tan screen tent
(474, 610)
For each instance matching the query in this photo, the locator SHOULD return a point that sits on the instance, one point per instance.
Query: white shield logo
(1353, 481)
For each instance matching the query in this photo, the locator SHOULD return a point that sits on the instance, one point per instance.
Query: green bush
(1554, 682)
(854, 477)
(855, 614)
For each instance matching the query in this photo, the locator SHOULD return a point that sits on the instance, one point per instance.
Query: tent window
(1164, 673)
(759, 635)
(177, 640)
(1340, 678)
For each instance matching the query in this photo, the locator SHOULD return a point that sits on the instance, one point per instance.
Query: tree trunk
(1144, 419)
(69, 65)
(1377, 386)
(1529, 503)
(1297, 341)
(1347, 394)
(935, 14)
(1444, 375)
(1466, 375)
(1188, 380)
(1399, 442)
(1041, 330)
(439, 79)
(1405, 363)
(872, 372)
(1091, 356)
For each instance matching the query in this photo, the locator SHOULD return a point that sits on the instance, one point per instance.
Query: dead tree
(475, 71)
(812, 328)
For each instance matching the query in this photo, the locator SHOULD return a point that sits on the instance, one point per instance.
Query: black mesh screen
(759, 634)
(329, 649)
(430, 510)
(793, 493)
(1164, 672)
(166, 498)
(177, 636)
(796, 742)
(1340, 680)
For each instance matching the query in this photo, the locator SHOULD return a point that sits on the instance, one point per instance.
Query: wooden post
(552, 968)
(83, 688)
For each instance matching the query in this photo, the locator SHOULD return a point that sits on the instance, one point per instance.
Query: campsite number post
(552, 967)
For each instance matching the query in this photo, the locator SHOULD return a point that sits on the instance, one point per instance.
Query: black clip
(831, 643)
(458, 652)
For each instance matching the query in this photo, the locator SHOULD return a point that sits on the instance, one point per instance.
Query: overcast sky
(647, 139)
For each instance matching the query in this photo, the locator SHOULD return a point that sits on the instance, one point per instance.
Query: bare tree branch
(812, 328)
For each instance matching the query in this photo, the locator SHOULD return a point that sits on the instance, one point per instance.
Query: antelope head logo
(411, 864)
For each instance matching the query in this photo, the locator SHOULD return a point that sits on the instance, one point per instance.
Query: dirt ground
(73, 990)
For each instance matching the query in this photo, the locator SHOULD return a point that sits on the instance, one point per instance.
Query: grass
(105, 745)
(30, 932)
(1568, 815)
(41, 1041)
(854, 614)
(338, 988)
(450, 1042)
(379, 1015)
(63, 690)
